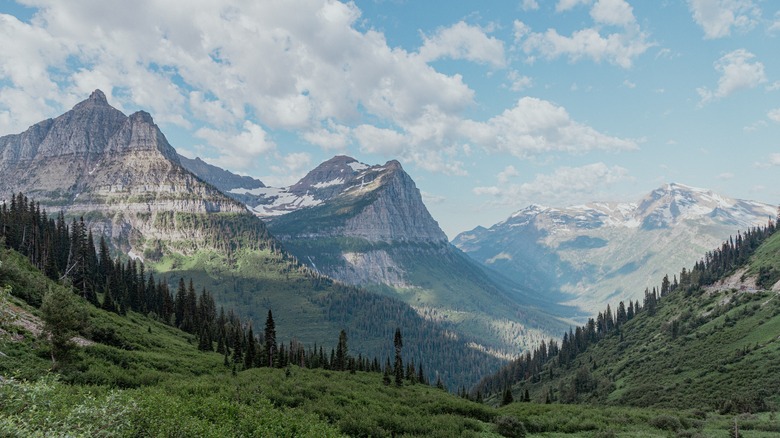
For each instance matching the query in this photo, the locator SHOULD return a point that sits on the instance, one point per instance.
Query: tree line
(545, 360)
(68, 253)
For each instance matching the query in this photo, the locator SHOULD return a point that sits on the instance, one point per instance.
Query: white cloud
(289, 170)
(613, 12)
(536, 126)
(463, 41)
(565, 186)
(725, 176)
(565, 5)
(775, 26)
(431, 198)
(519, 82)
(506, 174)
(772, 160)
(380, 140)
(620, 47)
(718, 17)
(738, 72)
(755, 126)
(530, 5)
(774, 115)
(629, 84)
(774, 86)
(311, 70)
(331, 136)
(237, 151)
(308, 64)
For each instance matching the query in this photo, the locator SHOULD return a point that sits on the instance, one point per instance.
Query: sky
(489, 106)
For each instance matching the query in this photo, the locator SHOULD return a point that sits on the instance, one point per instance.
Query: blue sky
(489, 106)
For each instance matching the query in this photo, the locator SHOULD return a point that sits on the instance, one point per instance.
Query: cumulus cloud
(619, 46)
(536, 126)
(308, 63)
(613, 12)
(738, 71)
(289, 169)
(530, 5)
(330, 136)
(312, 70)
(519, 82)
(565, 5)
(718, 17)
(237, 151)
(463, 41)
(774, 115)
(565, 186)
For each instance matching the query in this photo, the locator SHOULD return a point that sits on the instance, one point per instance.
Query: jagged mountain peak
(94, 152)
(97, 98)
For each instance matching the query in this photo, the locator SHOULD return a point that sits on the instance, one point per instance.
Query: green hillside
(709, 344)
(234, 259)
(148, 379)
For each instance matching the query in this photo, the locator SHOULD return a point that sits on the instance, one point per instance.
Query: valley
(351, 250)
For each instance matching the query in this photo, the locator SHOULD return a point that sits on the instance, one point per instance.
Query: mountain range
(120, 174)
(599, 253)
(499, 291)
(367, 226)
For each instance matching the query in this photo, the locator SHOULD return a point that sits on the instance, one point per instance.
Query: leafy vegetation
(695, 345)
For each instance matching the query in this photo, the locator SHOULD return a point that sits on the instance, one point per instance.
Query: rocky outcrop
(345, 198)
(222, 179)
(120, 171)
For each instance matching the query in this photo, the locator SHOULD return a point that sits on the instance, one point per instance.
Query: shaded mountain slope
(368, 226)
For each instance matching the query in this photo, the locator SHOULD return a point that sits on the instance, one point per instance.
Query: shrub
(510, 426)
(666, 422)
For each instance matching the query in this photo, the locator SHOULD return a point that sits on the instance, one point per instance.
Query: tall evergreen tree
(270, 338)
(341, 352)
(399, 364)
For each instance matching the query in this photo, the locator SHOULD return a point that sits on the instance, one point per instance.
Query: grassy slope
(496, 314)
(715, 349)
(153, 382)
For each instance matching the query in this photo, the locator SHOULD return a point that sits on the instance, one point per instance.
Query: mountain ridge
(590, 254)
(124, 178)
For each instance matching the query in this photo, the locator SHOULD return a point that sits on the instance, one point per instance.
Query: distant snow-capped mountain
(598, 253)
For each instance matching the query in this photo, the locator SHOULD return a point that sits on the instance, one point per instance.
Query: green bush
(666, 422)
(510, 426)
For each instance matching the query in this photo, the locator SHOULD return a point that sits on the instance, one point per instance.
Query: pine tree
(507, 398)
(399, 365)
(270, 338)
(341, 352)
(179, 303)
(249, 357)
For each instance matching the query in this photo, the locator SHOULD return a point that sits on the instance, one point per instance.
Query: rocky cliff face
(368, 226)
(119, 170)
(351, 199)
(596, 254)
(222, 179)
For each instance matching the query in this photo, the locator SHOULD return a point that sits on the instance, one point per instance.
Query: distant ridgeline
(562, 373)
(67, 253)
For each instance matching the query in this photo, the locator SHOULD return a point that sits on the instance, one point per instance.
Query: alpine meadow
(328, 218)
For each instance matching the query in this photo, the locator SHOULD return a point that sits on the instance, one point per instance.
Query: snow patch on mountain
(358, 166)
(281, 201)
(331, 183)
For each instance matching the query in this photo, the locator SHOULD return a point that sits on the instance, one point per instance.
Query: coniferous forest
(156, 352)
